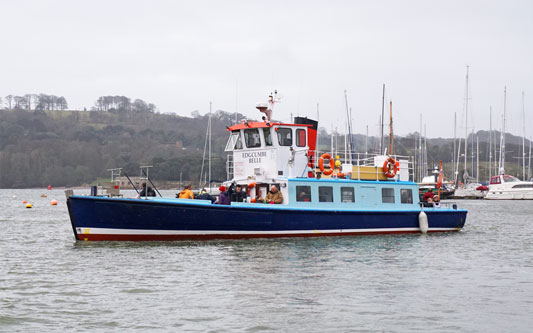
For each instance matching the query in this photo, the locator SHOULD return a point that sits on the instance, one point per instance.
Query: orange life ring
(249, 187)
(391, 167)
(329, 171)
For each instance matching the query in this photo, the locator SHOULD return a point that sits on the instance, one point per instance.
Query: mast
(317, 132)
(529, 161)
(382, 119)
(490, 143)
(350, 145)
(420, 157)
(523, 140)
(366, 143)
(473, 153)
(209, 182)
(477, 159)
(454, 139)
(501, 165)
(465, 173)
(391, 137)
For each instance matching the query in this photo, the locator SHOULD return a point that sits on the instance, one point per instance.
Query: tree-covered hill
(71, 148)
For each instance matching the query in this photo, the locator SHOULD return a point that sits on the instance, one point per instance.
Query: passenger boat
(321, 197)
(507, 187)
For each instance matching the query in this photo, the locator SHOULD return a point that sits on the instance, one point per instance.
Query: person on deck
(237, 194)
(205, 196)
(428, 196)
(274, 196)
(146, 191)
(223, 197)
(186, 193)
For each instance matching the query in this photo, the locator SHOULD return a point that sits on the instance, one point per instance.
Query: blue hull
(97, 218)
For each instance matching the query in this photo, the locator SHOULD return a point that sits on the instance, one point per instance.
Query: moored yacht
(507, 187)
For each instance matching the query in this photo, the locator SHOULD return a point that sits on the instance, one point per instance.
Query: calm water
(478, 280)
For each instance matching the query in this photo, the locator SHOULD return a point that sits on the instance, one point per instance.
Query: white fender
(423, 222)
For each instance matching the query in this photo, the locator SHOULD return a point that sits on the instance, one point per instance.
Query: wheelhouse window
(406, 195)
(495, 180)
(347, 194)
(387, 195)
(251, 138)
(325, 194)
(510, 179)
(300, 138)
(303, 193)
(268, 136)
(284, 136)
(234, 141)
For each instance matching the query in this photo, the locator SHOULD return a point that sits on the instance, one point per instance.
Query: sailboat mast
(382, 119)
(209, 179)
(490, 143)
(477, 159)
(454, 139)
(466, 122)
(391, 136)
(502, 145)
(523, 140)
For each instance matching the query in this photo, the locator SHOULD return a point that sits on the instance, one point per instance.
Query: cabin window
(268, 136)
(510, 179)
(325, 194)
(523, 186)
(234, 141)
(303, 193)
(347, 194)
(495, 180)
(387, 195)
(251, 138)
(406, 195)
(285, 136)
(300, 138)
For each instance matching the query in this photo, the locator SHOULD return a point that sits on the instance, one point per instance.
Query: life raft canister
(391, 167)
(329, 171)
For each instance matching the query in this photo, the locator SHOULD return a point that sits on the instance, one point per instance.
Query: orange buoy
(43, 195)
(24, 201)
(53, 202)
(29, 205)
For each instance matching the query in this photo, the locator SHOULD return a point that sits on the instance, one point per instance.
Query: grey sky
(181, 55)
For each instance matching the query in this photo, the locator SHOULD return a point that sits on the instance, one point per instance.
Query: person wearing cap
(223, 197)
(186, 193)
(237, 194)
(274, 196)
(205, 196)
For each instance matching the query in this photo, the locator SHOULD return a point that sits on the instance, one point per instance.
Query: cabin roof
(262, 124)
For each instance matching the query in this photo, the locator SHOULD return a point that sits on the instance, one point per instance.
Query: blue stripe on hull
(91, 212)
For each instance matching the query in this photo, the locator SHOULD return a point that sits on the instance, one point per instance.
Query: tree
(62, 103)
(9, 100)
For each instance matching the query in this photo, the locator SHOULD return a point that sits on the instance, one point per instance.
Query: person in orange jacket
(186, 193)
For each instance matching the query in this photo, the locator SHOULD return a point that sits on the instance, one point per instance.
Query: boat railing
(447, 205)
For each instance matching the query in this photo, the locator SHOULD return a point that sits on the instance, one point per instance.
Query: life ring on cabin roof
(391, 167)
(329, 171)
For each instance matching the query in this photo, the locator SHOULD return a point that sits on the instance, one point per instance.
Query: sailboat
(469, 188)
(507, 187)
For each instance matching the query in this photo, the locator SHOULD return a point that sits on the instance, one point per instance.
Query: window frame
(299, 137)
(281, 140)
(350, 188)
(307, 190)
(383, 196)
(320, 195)
(409, 198)
(249, 136)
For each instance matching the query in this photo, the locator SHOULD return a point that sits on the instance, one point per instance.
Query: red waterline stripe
(118, 237)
